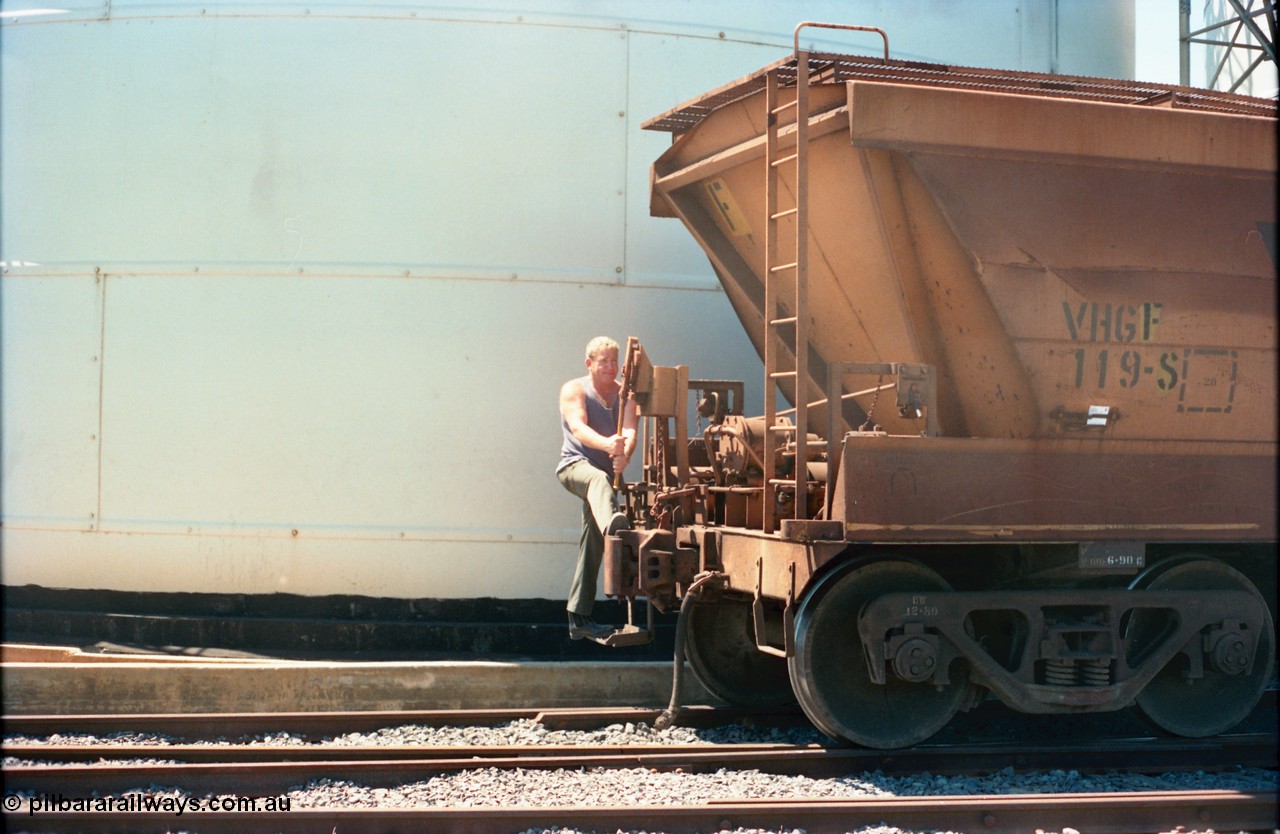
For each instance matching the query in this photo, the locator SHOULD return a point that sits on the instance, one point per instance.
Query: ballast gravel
(530, 732)
(512, 733)
(638, 786)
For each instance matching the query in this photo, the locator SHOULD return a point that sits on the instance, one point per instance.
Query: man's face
(603, 365)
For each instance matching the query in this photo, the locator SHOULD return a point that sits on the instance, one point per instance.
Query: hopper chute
(1051, 245)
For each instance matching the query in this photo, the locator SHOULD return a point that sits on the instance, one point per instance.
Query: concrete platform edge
(303, 686)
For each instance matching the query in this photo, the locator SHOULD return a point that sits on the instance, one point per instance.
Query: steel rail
(316, 724)
(268, 770)
(243, 754)
(199, 726)
(1134, 813)
(1134, 754)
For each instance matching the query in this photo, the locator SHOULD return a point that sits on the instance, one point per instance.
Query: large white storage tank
(289, 288)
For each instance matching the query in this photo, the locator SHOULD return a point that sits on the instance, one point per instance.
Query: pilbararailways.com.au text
(140, 802)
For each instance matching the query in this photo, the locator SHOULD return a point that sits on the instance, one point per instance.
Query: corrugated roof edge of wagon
(841, 68)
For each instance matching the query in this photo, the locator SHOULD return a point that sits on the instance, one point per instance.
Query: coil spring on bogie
(1096, 672)
(1059, 673)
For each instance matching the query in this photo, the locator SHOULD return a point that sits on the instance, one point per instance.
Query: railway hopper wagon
(1026, 327)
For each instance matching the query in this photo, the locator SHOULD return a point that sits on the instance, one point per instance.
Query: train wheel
(721, 649)
(1218, 700)
(829, 670)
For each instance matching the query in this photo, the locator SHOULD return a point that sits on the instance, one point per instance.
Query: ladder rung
(791, 265)
(784, 160)
(780, 374)
(786, 106)
(782, 214)
(783, 482)
(787, 320)
(783, 428)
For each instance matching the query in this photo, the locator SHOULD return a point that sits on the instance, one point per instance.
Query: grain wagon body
(1046, 308)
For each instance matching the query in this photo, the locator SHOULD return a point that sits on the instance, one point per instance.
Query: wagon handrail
(845, 26)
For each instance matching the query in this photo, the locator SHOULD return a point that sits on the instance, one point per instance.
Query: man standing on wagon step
(594, 449)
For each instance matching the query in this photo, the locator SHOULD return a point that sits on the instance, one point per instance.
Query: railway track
(47, 778)
(272, 769)
(319, 724)
(1134, 813)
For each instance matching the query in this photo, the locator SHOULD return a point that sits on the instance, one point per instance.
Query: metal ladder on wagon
(775, 269)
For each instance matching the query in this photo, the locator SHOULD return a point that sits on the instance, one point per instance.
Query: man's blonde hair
(598, 344)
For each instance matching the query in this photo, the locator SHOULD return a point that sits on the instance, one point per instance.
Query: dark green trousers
(595, 488)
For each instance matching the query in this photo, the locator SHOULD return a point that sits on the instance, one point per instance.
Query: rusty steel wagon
(1026, 324)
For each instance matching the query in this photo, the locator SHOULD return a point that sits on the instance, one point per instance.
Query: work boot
(581, 625)
(618, 523)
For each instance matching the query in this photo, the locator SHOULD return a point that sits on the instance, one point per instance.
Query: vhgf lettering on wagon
(1094, 322)
(148, 803)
